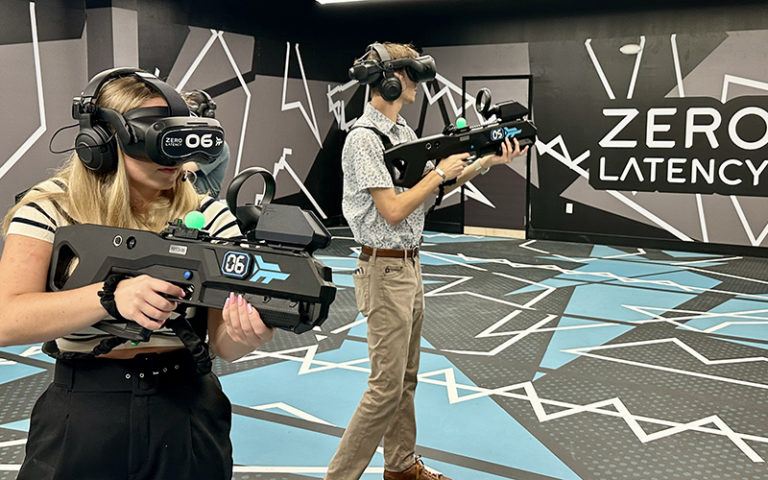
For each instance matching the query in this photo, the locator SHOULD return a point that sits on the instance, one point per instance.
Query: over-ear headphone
(367, 71)
(200, 103)
(390, 87)
(166, 135)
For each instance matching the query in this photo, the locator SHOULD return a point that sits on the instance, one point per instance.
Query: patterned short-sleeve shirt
(362, 161)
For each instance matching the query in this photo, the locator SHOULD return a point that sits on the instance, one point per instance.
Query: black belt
(368, 252)
(141, 373)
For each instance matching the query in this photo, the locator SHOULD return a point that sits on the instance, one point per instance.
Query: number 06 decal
(236, 264)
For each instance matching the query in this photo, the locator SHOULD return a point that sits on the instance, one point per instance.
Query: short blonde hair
(105, 199)
(396, 51)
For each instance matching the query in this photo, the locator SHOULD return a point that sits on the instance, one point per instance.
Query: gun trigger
(171, 298)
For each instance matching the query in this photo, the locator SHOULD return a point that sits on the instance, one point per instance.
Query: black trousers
(148, 418)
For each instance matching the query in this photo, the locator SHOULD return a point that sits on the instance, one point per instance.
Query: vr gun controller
(405, 162)
(290, 288)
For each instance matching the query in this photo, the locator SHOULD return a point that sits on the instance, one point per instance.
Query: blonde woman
(140, 411)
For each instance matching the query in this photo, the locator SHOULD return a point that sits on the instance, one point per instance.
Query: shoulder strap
(384, 138)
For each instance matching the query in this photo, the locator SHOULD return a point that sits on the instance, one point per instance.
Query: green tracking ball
(461, 122)
(194, 219)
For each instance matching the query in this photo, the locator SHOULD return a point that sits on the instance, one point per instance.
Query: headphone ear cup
(96, 150)
(390, 87)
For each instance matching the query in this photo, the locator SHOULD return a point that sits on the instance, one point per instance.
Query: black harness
(388, 144)
(191, 332)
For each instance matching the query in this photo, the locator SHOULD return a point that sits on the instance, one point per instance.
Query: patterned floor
(540, 360)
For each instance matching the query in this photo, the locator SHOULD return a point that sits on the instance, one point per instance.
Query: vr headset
(368, 71)
(168, 136)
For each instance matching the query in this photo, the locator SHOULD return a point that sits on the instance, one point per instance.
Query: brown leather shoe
(417, 471)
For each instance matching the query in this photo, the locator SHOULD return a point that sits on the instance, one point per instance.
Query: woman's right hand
(139, 299)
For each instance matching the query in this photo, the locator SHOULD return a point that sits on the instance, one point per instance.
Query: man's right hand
(453, 166)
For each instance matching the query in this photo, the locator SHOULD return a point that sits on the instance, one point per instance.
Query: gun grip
(128, 330)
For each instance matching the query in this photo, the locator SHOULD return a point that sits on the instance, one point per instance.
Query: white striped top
(41, 219)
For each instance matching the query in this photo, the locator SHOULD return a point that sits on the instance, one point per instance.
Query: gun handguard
(290, 288)
(405, 162)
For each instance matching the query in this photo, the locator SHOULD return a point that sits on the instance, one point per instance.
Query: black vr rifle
(278, 275)
(405, 162)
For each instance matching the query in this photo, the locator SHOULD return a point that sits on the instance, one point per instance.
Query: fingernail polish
(240, 300)
(226, 304)
(249, 307)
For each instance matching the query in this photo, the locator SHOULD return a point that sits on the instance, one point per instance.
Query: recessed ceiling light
(327, 2)
(630, 49)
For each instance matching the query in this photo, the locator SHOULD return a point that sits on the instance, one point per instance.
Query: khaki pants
(390, 293)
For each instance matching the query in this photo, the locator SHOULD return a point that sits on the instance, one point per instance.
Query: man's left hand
(508, 152)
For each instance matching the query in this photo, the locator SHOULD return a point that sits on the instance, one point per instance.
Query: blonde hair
(105, 199)
(396, 51)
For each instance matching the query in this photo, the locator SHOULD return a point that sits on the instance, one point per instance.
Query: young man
(387, 222)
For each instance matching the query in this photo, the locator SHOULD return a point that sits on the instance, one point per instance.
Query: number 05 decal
(236, 264)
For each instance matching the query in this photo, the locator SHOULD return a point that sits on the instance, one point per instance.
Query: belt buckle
(146, 373)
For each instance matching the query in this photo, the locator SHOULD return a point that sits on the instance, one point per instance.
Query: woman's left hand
(243, 322)
(508, 152)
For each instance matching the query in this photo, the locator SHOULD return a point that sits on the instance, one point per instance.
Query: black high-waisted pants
(148, 418)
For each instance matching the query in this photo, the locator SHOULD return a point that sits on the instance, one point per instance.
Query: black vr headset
(367, 71)
(168, 136)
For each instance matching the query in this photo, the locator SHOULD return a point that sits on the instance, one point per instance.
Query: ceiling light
(327, 2)
(630, 49)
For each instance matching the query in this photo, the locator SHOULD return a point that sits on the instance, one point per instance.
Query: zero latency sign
(691, 145)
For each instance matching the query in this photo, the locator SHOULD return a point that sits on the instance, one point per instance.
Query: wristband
(441, 173)
(107, 295)
(479, 167)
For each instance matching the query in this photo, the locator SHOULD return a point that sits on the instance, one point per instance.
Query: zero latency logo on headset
(689, 145)
(181, 142)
